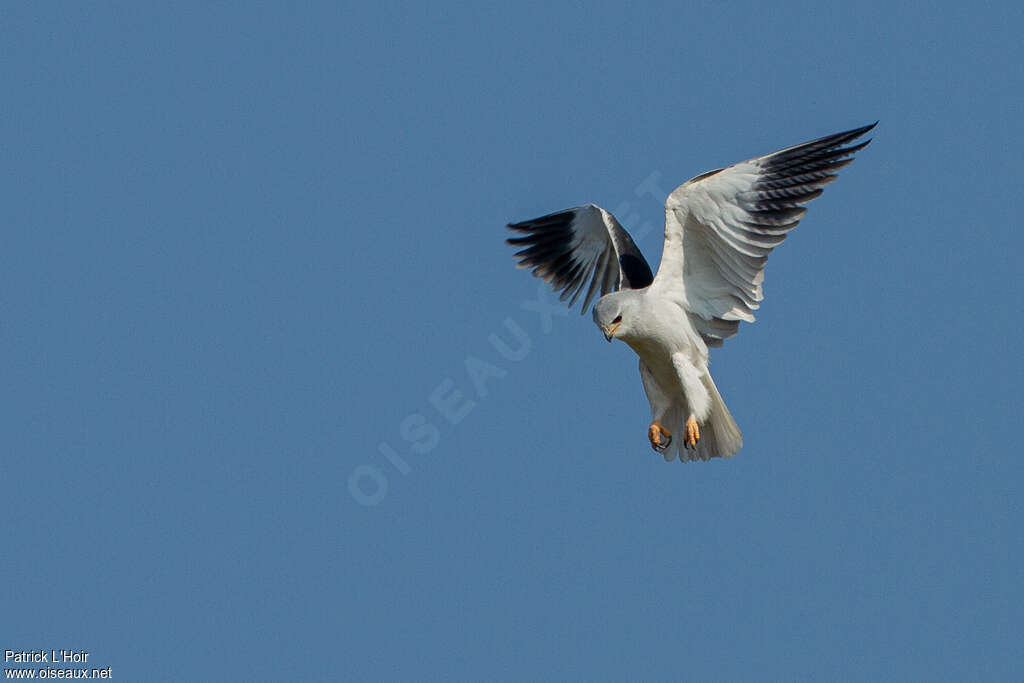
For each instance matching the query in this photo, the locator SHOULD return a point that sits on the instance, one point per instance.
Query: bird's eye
(618, 319)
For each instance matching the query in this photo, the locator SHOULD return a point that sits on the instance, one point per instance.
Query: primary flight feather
(719, 229)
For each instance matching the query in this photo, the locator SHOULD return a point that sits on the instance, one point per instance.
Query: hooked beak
(609, 332)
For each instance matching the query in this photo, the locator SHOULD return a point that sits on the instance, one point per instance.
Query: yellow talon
(692, 433)
(654, 433)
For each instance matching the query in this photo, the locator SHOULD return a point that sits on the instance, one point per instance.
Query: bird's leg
(692, 433)
(698, 400)
(655, 432)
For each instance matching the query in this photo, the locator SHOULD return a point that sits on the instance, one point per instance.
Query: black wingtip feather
(821, 145)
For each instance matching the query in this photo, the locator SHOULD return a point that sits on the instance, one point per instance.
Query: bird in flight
(719, 229)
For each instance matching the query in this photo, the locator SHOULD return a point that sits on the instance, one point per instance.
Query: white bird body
(667, 343)
(674, 370)
(719, 229)
(674, 361)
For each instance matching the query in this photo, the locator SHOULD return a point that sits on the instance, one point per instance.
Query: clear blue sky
(244, 245)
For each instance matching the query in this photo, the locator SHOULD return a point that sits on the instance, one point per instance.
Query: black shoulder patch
(636, 272)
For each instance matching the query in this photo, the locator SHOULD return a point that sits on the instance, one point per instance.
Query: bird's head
(613, 314)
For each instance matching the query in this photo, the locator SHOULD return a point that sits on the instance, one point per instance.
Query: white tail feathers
(727, 439)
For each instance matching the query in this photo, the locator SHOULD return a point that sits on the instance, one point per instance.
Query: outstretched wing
(721, 226)
(581, 248)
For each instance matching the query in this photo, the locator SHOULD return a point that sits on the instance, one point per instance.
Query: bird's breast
(655, 355)
(666, 331)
